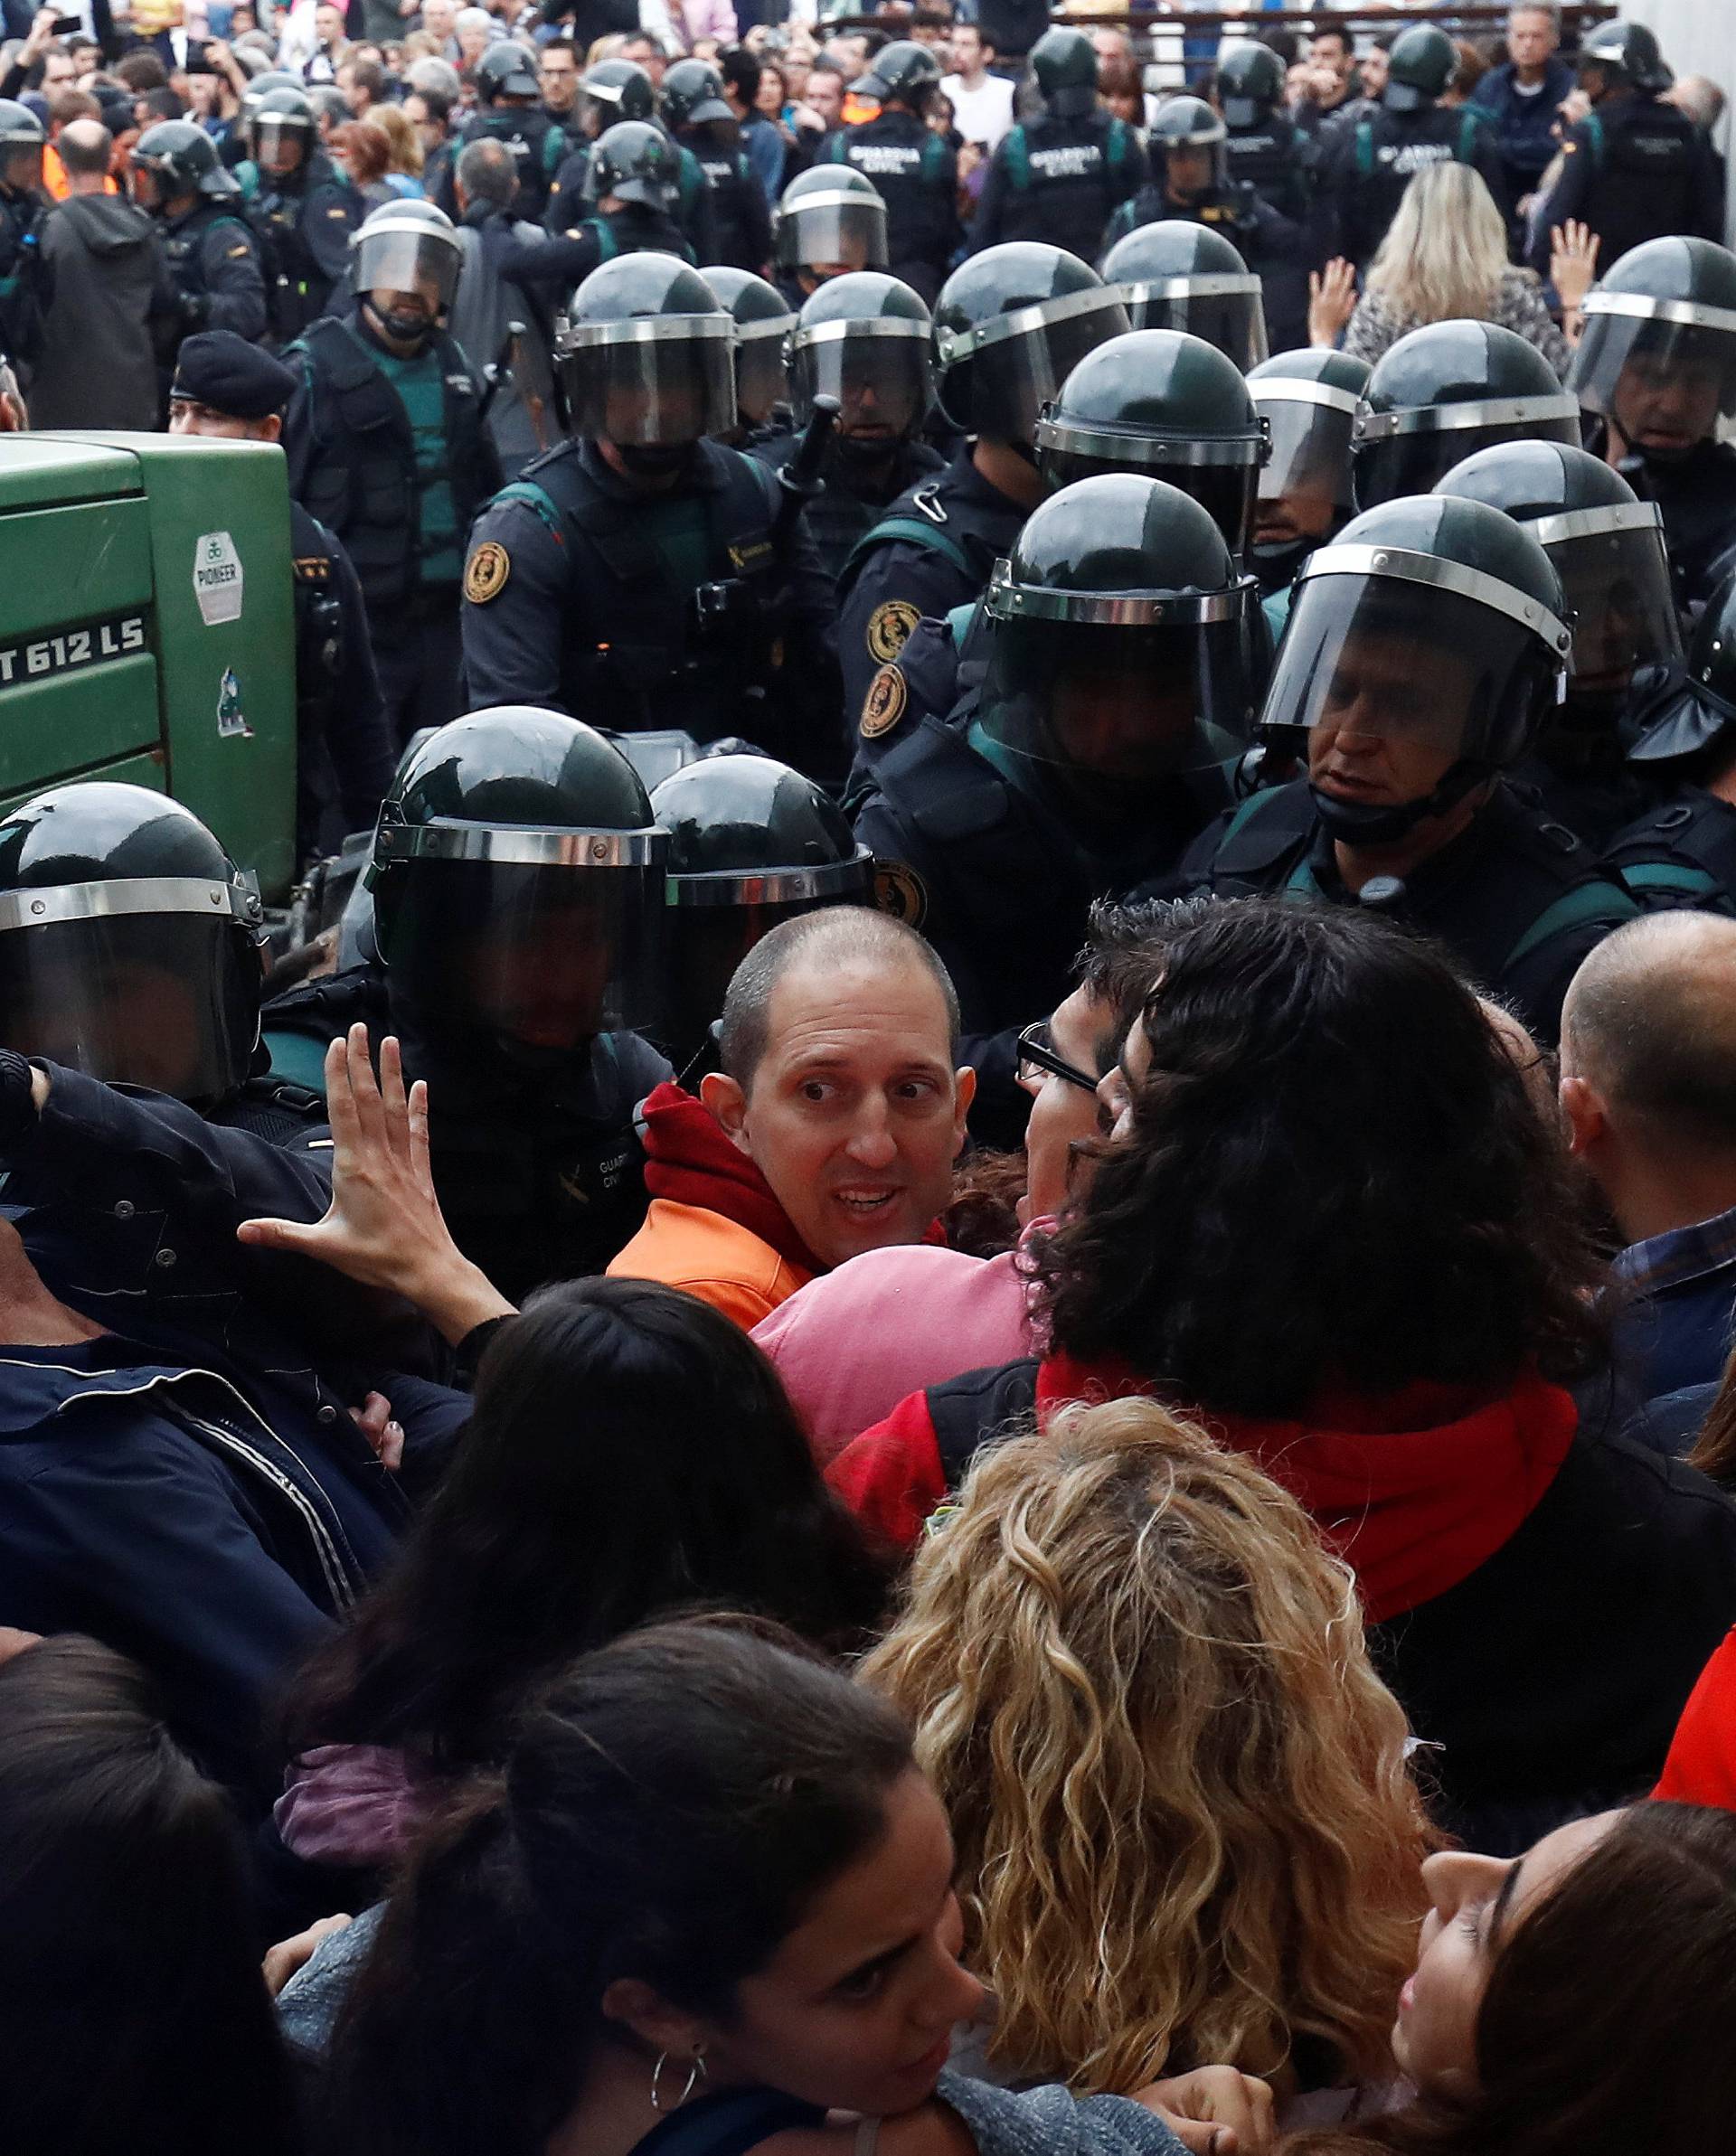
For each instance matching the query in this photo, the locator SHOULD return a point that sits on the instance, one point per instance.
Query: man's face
(437, 17)
(558, 72)
(1392, 725)
(825, 95)
(328, 26)
(58, 71)
(188, 416)
(1373, 67)
(474, 41)
(645, 52)
(1063, 1114)
(1531, 38)
(1665, 408)
(855, 1114)
(421, 300)
(968, 49)
(1330, 53)
(1305, 510)
(282, 150)
(1189, 169)
(431, 131)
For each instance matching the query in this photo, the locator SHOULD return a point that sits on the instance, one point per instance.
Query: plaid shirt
(1674, 1319)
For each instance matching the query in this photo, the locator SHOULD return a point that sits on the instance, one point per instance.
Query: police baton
(499, 369)
(799, 478)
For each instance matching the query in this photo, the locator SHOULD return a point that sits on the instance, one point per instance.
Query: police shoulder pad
(884, 704)
(486, 571)
(888, 627)
(901, 892)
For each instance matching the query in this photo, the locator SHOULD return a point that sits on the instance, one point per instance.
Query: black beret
(219, 369)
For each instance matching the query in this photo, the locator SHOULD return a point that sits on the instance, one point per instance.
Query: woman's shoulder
(1520, 293)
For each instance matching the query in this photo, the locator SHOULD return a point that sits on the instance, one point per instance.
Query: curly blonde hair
(1185, 1829)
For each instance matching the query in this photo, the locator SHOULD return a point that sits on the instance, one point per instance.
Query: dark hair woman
(130, 1993)
(1330, 1224)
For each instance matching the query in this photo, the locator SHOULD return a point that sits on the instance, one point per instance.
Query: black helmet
(408, 247)
(902, 70)
(1116, 634)
(1161, 402)
(282, 119)
(1064, 62)
(1309, 400)
(645, 354)
(180, 159)
(1694, 704)
(617, 89)
(1178, 275)
(1420, 64)
(762, 323)
(1628, 50)
(752, 843)
(130, 944)
(1010, 325)
(1444, 391)
(1657, 358)
(517, 880)
(1608, 547)
(505, 70)
(1185, 130)
(830, 218)
(864, 339)
(633, 162)
(21, 142)
(1436, 620)
(262, 85)
(693, 93)
(1251, 84)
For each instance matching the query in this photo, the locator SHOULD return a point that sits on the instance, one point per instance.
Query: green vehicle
(147, 629)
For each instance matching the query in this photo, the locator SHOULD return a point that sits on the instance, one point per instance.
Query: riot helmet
(407, 264)
(864, 339)
(21, 142)
(1115, 636)
(762, 324)
(1693, 704)
(264, 83)
(1251, 84)
(1446, 391)
(1309, 400)
(1626, 55)
(752, 843)
(830, 218)
(505, 75)
(1608, 549)
(1178, 275)
(903, 71)
(1657, 356)
(1419, 66)
(633, 162)
(1064, 62)
(1010, 325)
(517, 882)
(1425, 646)
(1161, 402)
(173, 159)
(131, 945)
(647, 359)
(1185, 143)
(615, 89)
(692, 95)
(283, 133)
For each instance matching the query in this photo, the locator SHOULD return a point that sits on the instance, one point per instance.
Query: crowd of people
(953, 1372)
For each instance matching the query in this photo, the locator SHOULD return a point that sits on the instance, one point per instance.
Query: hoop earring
(695, 2074)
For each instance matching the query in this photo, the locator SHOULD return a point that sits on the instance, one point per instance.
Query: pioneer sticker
(73, 648)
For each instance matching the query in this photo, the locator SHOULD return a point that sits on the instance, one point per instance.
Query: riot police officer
(752, 843)
(913, 170)
(862, 339)
(22, 204)
(387, 447)
(611, 91)
(1009, 327)
(830, 220)
(763, 322)
(1444, 391)
(1263, 147)
(1061, 176)
(305, 214)
(1177, 276)
(1309, 400)
(1634, 168)
(1424, 648)
(631, 191)
(518, 880)
(1657, 364)
(175, 174)
(641, 571)
(228, 390)
(702, 120)
(508, 110)
(1373, 157)
(1608, 549)
(1112, 696)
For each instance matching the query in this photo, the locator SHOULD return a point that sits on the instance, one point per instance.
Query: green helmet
(763, 324)
(1115, 636)
(517, 880)
(635, 162)
(178, 159)
(752, 843)
(1657, 358)
(1693, 704)
(864, 339)
(1159, 402)
(1430, 619)
(830, 218)
(1249, 85)
(131, 945)
(1446, 391)
(902, 70)
(1179, 274)
(693, 93)
(1064, 62)
(645, 354)
(1309, 400)
(1421, 64)
(1608, 547)
(1011, 323)
(616, 89)
(1628, 51)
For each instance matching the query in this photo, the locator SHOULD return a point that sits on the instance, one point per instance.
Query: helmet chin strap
(1381, 823)
(408, 329)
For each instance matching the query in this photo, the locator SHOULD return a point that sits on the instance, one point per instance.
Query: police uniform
(213, 259)
(940, 662)
(20, 271)
(538, 148)
(1372, 158)
(567, 259)
(1680, 852)
(303, 222)
(1696, 497)
(731, 217)
(1634, 169)
(848, 505)
(1060, 180)
(569, 206)
(1275, 160)
(1275, 248)
(916, 173)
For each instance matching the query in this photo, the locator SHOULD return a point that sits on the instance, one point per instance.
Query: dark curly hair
(1333, 1176)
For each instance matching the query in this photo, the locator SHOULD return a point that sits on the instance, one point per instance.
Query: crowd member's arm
(1331, 301)
(1572, 266)
(41, 35)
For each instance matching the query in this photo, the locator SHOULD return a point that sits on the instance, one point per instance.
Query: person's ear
(635, 2006)
(1587, 1119)
(271, 426)
(727, 1105)
(964, 1091)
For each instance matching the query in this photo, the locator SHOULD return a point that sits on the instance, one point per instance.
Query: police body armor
(298, 290)
(728, 176)
(1682, 853)
(1386, 150)
(21, 302)
(970, 536)
(1062, 179)
(1646, 160)
(1271, 158)
(840, 515)
(915, 174)
(368, 496)
(184, 250)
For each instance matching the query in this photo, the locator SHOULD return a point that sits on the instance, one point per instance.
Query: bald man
(1648, 1089)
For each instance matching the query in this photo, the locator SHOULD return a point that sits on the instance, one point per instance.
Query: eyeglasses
(1037, 1058)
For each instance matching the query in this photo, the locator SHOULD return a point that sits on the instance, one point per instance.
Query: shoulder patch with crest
(883, 706)
(901, 892)
(485, 572)
(888, 627)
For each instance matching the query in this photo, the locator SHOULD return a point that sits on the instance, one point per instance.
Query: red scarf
(690, 1159)
(1413, 1489)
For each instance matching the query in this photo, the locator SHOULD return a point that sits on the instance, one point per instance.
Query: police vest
(1063, 178)
(296, 287)
(1272, 160)
(729, 176)
(971, 536)
(183, 248)
(913, 170)
(537, 147)
(1681, 854)
(837, 517)
(1415, 154)
(365, 485)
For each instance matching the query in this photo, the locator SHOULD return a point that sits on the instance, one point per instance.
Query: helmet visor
(1665, 378)
(1017, 362)
(424, 264)
(1618, 586)
(707, 942)
(1224, 491)
(280, 145)
(667, 388)
(761, 381)
(882, 381)
(1393, 459)
(1304, 488)
(1227, 311)
(21, 163)
(840, 232)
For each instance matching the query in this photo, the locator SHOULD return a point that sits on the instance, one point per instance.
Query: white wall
(1698, 38)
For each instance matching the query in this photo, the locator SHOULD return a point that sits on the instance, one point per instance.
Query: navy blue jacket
(1523, 124)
